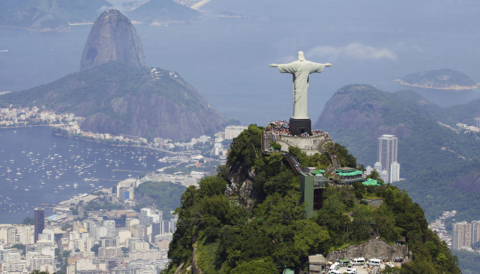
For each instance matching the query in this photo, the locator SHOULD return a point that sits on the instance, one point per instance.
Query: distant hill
(116, 94)
(117, 98)
(112, 38)
(163, 11)
(444, 79)
(465, 113)
(48, 15)
(357, 115)
(164, 196)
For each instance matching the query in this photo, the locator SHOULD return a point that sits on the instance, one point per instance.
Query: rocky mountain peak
(112, 38)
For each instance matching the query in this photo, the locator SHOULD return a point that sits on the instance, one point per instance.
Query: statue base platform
(299, 126)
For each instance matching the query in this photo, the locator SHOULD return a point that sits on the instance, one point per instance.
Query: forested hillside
(218, 233)
(118, 98)
(164, 196)
(433, 157)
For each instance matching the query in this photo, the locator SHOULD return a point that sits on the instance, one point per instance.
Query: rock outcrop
(371, 249)
(112, 38)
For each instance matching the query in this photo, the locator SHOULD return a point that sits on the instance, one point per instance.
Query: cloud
(354, 51)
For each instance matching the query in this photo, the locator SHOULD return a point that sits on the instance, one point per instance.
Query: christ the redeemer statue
(301, 69)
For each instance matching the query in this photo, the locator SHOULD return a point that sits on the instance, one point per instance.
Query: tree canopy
(227, 237)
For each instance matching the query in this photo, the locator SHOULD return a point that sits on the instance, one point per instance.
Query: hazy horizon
(227, 60)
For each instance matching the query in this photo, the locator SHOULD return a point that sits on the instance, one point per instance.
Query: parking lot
(360, 269)
(364, 269)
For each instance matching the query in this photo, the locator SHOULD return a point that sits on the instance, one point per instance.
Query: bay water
(38, 168)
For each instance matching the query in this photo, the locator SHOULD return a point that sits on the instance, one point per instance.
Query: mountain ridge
(118, 98)
(357, 115)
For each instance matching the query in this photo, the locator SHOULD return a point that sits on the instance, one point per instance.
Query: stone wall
(375, 202)
(371, 249)
(307, 144)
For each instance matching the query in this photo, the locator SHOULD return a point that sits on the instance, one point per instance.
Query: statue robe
(301, 71)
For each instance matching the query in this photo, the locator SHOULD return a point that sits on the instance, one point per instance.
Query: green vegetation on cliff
(468, 261)
(217, 233)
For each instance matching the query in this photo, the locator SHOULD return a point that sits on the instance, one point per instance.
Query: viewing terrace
(278, 132)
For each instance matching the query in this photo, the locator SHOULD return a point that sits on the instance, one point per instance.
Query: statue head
(301, 56)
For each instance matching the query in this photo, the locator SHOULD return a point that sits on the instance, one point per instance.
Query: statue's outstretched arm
(273, 65)
(328, 65)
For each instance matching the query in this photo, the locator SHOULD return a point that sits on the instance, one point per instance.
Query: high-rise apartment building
(110, 242)
(475, 232)
(394, 172)
(111, 230)
(39, 222)
(477, 122)
(11, 235)
(387, 153)
(462, 235)
(156, 229)
(165, 226)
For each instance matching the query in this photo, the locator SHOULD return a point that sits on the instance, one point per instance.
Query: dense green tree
(164, 196)
(273, 232)
(28, 221)
(95, 249)
(346, 159)
(211, 186)
(40, 272)
(259, 266)
(20, 247)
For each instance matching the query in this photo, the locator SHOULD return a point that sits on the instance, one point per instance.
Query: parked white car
(374, 262)
(390, 265)
(358, 261)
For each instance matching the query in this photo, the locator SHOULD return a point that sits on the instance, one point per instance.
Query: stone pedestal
(299, 126)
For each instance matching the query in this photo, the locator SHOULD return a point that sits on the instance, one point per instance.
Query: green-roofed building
(348, 175)
(371, 182)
